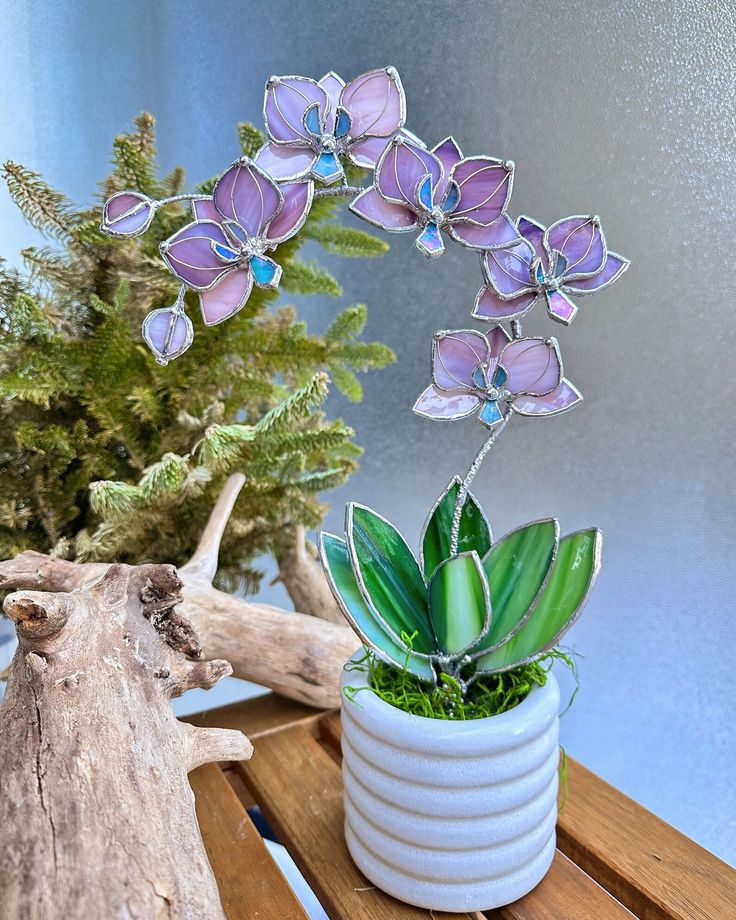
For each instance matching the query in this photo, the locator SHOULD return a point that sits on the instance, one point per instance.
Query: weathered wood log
(97, 817)
(293, 653)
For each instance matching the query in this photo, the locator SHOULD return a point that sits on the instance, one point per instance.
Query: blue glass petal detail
(539, 272)
(225, 253)
(490, 414)
(560, 265)
(479, 377)
(343, 123)
(236, 231)
(452, 197)
(266, 272)
(312, 120)
(327, 167)
(424, 192)
(430, 241)
(500, 377)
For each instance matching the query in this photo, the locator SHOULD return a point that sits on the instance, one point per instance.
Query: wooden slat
(648, 865)
(299, 789)
(259, 715)
(251, 885)
(565, 893)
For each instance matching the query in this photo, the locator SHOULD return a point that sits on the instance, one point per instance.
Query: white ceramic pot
(453, 816)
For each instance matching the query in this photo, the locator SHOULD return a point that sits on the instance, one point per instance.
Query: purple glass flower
(127, 214)
(436, 190)
(223, 252)
(311, 124)
(492, 375)
(570, 257)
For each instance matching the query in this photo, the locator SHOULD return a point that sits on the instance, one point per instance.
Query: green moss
(486, 696)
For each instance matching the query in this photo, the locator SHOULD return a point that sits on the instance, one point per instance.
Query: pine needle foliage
(105, 455)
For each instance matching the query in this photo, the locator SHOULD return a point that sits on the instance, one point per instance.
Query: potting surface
(614, 860)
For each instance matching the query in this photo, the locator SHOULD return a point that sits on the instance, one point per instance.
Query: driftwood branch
(295, 654)
(96, 814)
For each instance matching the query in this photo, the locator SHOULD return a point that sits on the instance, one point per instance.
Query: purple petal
(168, 333)
(375, 102)
(227, 297)
(384, 214)
(455, 355)
(560, 308)
(444, 405)
(401, 167)
(204, 209)
(497, 235)
(615, 265)
(498, 338)
(448, 153)
(285, 163)
(562, 398)
(533, 231)
(245, 194)
(485, 186)
(581, 242)
(368, 152)
(488, 305)
(127, 214)
(290, 219)
(509, 270)
(333, 85)
(190, 256)
(533, 366)
(287, 99)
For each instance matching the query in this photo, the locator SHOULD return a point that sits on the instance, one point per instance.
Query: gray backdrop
(620, 108)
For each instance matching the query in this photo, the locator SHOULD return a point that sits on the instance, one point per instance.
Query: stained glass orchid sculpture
(440, 190)
(490, 375)
(312, 124)
(570, 257)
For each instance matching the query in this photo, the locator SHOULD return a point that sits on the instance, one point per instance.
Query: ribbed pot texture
(453, 816)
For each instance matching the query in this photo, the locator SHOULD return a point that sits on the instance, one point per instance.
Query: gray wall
(624, 109)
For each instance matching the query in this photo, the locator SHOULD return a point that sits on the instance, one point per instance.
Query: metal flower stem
(339, 191)
(465, 486)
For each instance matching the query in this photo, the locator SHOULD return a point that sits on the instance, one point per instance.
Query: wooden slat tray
(615, 859)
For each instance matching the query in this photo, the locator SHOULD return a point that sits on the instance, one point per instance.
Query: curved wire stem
(174, 198)
(465, 486)
(339, 191)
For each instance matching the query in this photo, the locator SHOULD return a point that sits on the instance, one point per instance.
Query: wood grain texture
(644, 862)
(97, 818)
(262, 714)
(299, 789)
(251, 884)
(565, 893)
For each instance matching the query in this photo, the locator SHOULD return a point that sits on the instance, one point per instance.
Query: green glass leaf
(341, 579)
(389, 575)
(459, 603)
(474, 533)
(517, 567)
(573, 575)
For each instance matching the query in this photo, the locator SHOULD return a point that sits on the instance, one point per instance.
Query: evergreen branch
(297, 407)
(45, 209)
(345, 241)
(348, 324)
(303, 278)
(251, 138)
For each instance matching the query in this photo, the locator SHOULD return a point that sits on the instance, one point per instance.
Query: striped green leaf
(516, 568)
(373, 633)
(474, 533)
(459, 604)
(388, 575)
(572, 577)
